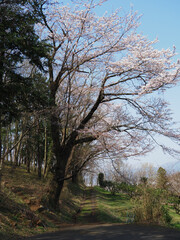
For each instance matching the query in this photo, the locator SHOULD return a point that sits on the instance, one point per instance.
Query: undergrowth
(21, 210)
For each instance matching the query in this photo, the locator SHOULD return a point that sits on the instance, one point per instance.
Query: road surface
(111, 232)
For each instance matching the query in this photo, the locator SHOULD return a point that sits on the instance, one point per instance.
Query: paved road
(113, 232)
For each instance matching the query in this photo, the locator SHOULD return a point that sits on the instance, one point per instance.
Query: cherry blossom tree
(103, 76)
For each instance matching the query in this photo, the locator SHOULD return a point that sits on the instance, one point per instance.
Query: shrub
(175, 201)
(150, 206)
(113, 187)
(129, 189)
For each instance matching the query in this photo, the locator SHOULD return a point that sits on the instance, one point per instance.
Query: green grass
(112, 208)
(175, 223)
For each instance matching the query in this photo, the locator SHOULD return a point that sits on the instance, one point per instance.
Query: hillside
(22, 212)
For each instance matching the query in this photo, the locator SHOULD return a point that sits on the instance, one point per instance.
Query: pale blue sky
(160, 19)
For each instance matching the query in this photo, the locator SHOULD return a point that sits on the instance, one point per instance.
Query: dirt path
(87, 212)
(112, 232)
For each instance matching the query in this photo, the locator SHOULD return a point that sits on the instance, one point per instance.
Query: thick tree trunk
(57, 181)
(56, 186)
(0, 139)
(1, 160)
(62, 154)
(2, 54)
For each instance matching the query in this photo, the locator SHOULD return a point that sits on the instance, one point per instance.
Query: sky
(160, 19)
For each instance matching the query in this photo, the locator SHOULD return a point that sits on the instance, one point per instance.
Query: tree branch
(85, 140)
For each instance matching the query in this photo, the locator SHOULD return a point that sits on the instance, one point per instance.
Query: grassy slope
(20, 203)
(175, 218)
(113, 209)
(119, 208)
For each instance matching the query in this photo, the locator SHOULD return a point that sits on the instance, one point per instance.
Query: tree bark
(62, 154)
(15, 140)
(1, 160)
(58, 170)
(18, 147)
(0, 138)
(57, 181)
(45, 150)
(28, 162)
(49, 158)
(39, 162)
(75, 175)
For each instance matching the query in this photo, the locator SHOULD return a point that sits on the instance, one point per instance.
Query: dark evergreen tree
(101, 179)
(19, 42)
(20, 90)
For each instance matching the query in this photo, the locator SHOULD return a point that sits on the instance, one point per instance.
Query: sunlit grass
(112, 208)
(117, 208)
(175, 218)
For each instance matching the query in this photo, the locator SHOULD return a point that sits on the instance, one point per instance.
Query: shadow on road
(113, 232)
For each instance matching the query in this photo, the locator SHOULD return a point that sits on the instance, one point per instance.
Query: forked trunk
(62, 154)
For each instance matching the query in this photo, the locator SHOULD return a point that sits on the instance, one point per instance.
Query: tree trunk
(38, 151)
(2, 55)
(1, 160)
(55, 191)
(45, 150)
(28, 162)
(10, 145)
(75, 175)
(4, 143)
(57, 181)
(0, 139)
(34, 161)
(28, 155)
(16, 153)
(62, 154)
